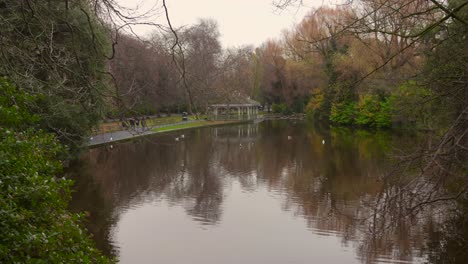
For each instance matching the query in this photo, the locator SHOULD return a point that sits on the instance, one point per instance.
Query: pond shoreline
(275, 116)
(125, 135)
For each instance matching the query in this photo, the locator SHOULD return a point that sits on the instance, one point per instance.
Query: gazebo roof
(239, 102)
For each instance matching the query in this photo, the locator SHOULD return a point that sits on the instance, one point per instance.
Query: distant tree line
(359, 64)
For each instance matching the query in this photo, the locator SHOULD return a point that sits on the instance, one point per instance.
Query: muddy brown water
(274, 192)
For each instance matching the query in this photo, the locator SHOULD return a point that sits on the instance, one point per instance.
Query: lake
(274, 192)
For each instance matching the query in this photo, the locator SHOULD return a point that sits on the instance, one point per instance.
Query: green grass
(170, 120)
(200, 123)
(165, 120)
(181, 126)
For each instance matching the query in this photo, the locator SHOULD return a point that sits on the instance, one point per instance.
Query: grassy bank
(104, 139)
(190, 125)
(108, 127)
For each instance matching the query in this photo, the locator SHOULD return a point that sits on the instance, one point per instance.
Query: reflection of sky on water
(241, 194)
(268, 234)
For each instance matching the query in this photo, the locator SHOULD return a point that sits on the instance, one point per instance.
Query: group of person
(135, 122)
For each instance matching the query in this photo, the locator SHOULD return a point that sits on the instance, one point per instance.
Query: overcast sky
(241, 22)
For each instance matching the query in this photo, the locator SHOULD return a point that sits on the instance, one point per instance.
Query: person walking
(143, 123)
(132, 123)
(124, 123)
(137, 123)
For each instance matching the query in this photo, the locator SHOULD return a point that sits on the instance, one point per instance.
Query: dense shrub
(367, 109)
(314, 107)
(281, 108)
(343, 113)
(383, 117)
(35, 226)
(368, 112)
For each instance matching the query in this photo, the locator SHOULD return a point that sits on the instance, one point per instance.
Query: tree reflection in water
(337, 187)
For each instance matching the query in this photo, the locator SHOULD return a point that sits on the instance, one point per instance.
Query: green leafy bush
(35, 226)
(367, 109)
(383, 117)
(343, 113)
(314, 107)
(281, 108)
(368, 112)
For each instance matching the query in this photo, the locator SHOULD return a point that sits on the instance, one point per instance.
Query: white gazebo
(239, 109)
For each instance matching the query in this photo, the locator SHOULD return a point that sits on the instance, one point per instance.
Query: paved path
(127, 134)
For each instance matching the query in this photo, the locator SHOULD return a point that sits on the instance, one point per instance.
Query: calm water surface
(266, 193)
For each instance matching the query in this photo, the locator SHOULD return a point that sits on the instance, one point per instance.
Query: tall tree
(202, 50)
(56, 48)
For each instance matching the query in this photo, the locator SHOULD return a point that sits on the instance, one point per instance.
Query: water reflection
(268, 193)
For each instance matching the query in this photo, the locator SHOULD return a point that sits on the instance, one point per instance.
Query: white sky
(241, 22)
